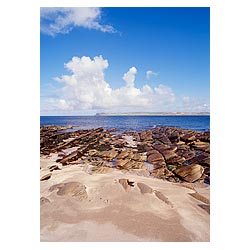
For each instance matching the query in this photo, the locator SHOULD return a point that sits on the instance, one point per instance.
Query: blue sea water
(125, 123)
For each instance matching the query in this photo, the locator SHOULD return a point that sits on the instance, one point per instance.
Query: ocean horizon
(128, 123)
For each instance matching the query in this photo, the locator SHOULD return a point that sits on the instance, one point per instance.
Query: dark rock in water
(190, 173)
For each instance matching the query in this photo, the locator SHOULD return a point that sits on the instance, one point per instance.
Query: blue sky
(124, 59)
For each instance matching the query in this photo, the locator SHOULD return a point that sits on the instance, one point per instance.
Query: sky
(124, 60)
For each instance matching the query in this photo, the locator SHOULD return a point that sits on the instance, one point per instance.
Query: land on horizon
(155, 114)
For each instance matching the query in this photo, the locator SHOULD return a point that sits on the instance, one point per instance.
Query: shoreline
(94, 186)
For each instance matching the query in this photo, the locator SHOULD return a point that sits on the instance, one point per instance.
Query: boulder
(190, 173)
(168, 154)
(155, 157)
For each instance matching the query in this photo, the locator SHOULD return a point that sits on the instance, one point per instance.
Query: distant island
(155, 114)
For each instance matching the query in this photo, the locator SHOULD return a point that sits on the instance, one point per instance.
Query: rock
(54, 167)
(188, 155)
(190, 173)
(159, 173)
(176, 160)
(124, 154)
(200, 197)
(155, 157)
(146, 136)
(163, 198)
(101, 170)
(138, 157)
(101, 164)
(168, 154)
(44, 200)
(108, 155)
(46, 177)
(74, 189)
(174, 137)
(134, 165)
(188, 137)
(121, 162)
(203, 146)
(144, 189)
(161, 147)
(126, 184)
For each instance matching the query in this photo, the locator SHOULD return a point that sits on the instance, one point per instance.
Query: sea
(128, 123)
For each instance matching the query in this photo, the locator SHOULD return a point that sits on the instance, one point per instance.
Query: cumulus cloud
(85, 88)
(150, 73)
(63, 20)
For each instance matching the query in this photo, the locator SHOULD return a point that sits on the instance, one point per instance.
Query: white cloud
(63, 20)
(150, 73)
(85, 88)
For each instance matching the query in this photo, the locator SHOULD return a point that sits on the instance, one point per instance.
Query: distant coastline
(156, 114)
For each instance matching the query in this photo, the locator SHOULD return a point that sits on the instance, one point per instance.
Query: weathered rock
(174, 137)
(176, 160)
(146, 136)
(134, 165)
(74, 189)
(188, 137)
(126, 184)
(108, 155)
(163, 198)
(124, 154)
(101, 170)
(168, 154)
(44, 200)
(155, 157)
(190, 173)
(203, 146)
(45, 177)
(161, 147)
(121, 162)
(54, 167)
(144, 189)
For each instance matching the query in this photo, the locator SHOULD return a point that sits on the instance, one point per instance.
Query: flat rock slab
(190, 173)
(74, 189)
(144, 189)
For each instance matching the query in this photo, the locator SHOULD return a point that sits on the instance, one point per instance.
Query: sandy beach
(109, 212)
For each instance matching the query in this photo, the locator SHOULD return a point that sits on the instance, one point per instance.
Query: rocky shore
(88, 178)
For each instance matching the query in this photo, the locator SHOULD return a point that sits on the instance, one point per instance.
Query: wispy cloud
(150, 73)
(62, 20)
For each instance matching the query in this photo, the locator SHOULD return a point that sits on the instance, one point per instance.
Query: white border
(20, 95)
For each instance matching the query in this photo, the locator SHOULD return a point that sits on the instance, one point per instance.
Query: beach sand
(91, 207)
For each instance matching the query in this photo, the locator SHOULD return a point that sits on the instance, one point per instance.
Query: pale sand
(112, 214)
